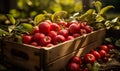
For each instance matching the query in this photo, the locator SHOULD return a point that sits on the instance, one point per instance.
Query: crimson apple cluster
(85, 63)
(49, 33)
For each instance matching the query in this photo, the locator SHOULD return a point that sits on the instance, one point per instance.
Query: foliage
(115, 23)
(96, 17)
(15, 29)
(31, 8)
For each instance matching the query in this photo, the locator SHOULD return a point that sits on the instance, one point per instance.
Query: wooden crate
(34, 59)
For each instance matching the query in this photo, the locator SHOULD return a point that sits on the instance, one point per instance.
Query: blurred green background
(30, 8)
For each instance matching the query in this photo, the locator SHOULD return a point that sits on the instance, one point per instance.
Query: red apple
(88, 28)
(59, 39)
(34, 43)
(62, 24)
(72, 22)
(52, 34)
(67, 28)
(85, 69)
(83, 24)
(76, 35)
(96, 54)
(48, 21)
(104, 47)
(105, 59)
(44, 27)
(27, 39)
(37, 37)
(70, 37)
(73, 67)
(73, 28)
(45, 40)
(39, 46)
(102, 53)
(50, 45)
(63, 32)
(89, 58)
(76, 59)
(82, 31)
(110, 46)
(55, 27)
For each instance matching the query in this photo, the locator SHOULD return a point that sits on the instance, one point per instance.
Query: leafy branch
(96, 17)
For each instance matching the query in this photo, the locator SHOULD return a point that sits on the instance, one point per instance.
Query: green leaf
(89, 66)
(24, 27)
(21, 4)
(96, 66)
(105, 9)
(33, 13)
(15, 13)
(47, 15)
(108, 40)
(59, 15)
(39, 18)
(108, 24)
(28, 27)
(99, 25)
(88, 13)
(99, 18)
(11, 28)
(97, 5)
(116, 27)
(19, 38)
(115, 20)
(2, 32)
(11, 18)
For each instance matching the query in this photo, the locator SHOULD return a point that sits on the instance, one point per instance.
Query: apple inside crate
(34, 59)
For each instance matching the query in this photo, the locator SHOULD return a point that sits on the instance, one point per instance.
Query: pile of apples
(48, 33)
(101, 55)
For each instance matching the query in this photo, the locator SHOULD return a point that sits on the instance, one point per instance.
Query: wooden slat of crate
(56, 52)
(33, 56)
(61, 63)
(94, 36)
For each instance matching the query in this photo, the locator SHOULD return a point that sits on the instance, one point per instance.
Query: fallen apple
(73, 67)
(89, 58)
